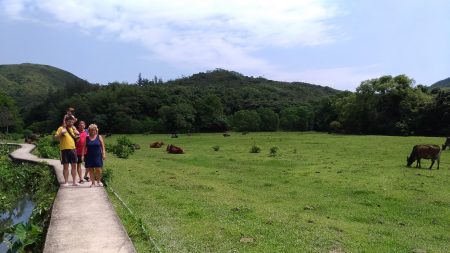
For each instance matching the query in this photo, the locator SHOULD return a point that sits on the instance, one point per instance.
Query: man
(66, 136)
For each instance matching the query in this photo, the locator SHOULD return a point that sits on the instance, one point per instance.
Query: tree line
(219, 101)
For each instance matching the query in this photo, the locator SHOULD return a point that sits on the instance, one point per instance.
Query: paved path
(83, 219)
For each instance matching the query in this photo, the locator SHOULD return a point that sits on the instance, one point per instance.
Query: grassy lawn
(320, 193)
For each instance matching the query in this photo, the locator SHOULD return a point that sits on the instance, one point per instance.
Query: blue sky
(335, 43)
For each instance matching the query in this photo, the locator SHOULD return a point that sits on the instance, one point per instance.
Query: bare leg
(91, 174)
(79, 171)
(98, 171)
(66, 172)
(86, 173)
(74, 173)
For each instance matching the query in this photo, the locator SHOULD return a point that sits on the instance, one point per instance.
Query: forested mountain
(202, 102)
(35, 97)
(441, 84)
(30, 84)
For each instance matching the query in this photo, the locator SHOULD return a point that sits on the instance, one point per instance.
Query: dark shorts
(68, 156)
(79, 160)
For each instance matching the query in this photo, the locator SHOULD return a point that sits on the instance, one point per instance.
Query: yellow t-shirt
(66, 141)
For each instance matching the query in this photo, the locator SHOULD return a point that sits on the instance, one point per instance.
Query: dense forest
(217, 101)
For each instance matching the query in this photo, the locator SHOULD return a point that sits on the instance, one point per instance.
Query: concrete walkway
(83, 219)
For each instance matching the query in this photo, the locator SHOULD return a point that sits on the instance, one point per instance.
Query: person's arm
(103, 147)
(60, 132)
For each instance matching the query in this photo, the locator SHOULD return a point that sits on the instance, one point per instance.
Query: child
(69, 112)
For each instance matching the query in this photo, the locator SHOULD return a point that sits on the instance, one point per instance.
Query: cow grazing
(446, 144)
(174, 149)
(157, 144)
(425, 151)
(226, 135)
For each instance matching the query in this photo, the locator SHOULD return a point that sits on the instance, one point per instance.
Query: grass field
(320, 193)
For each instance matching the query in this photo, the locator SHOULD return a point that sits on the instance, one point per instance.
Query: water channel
(20, 213)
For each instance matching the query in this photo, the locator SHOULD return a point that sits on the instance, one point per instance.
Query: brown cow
(425, 151)
(446, 144)
(157, 144)
(174, 149)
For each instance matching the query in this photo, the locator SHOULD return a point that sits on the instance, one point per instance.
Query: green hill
(441, 84)
(43, 92)
(243, 92)
(30, 84)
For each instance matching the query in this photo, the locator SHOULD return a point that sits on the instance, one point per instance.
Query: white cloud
(197, 33)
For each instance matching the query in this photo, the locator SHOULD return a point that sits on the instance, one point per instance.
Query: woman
(80, 145)
(95, 154)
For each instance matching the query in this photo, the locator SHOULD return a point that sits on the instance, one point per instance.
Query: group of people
(78, 145)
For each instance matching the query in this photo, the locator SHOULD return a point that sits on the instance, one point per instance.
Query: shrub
(216, 148)
(255, 149)
(27, 133)
(47, 147)
(109, 147)
(123, 149)
(125, 141)
(335, 126)
(273, 151)
(107, 176)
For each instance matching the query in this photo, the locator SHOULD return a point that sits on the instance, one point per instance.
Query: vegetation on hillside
(30, 84)
(221, 100)
(441, 84)
(203, 102)
(387, 105)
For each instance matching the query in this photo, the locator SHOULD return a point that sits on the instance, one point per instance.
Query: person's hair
(93, 126)
(81, 121)
(70, 109)
(70, 117)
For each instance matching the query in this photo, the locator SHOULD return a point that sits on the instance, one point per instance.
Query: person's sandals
(86, 178)
(81, 181)
(65, 185)
(100, 184)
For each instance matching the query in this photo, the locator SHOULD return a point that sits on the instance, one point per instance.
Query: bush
(109, 147)
(255, 149)
(273, 151)
(216, 148)
(47, 147)
(335, 126)
(123, 149)
(107, 175)
(27, 133)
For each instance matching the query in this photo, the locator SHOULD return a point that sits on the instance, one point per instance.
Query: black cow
(425, 151)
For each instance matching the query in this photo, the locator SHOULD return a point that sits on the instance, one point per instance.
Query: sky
(336, 43)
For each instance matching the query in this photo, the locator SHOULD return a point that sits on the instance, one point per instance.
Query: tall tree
(9, 114)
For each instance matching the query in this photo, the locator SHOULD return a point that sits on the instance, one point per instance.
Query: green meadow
(318, 193)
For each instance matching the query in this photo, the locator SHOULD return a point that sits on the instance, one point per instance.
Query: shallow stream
(21, 213)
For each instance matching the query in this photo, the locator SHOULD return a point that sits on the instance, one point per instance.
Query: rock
(246, 240)
(308, 208)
